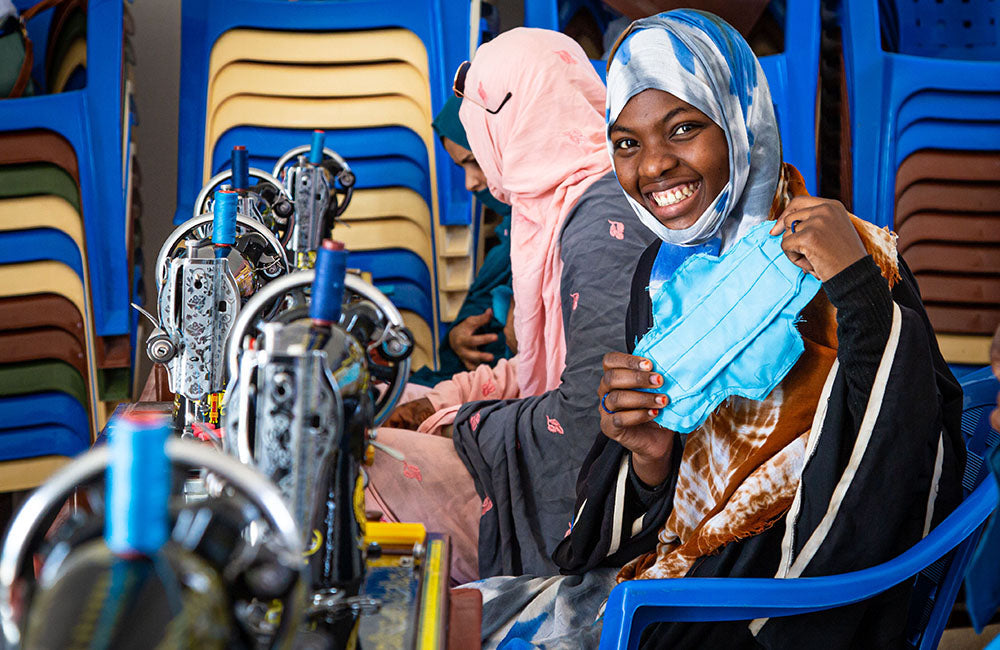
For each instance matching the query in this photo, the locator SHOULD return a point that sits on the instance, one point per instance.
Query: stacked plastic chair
(372, 74)
(924, 84)
(66, 331)
(792, 75)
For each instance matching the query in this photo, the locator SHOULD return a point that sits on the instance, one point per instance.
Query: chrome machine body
(302, 408)
(311, 185)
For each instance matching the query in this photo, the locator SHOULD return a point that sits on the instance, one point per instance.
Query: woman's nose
(474, 182)
(655, 161)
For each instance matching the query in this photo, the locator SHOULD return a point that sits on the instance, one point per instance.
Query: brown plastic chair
(951, 319)
(42, 343)
(948, 227)
(953, 258)
(38, 145)
(41, 310)
(157, 386)
(947, 197)
(936, 165)
(962, 289)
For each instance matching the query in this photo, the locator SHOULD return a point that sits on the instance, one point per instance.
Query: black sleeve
(864, 319)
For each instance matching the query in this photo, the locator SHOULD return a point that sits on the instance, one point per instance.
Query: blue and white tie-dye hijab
(702, 60)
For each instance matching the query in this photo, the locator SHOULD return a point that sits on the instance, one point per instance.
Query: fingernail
(661, 400)
(646, 365)
(654, 412)
(655, 380)
(617, 421)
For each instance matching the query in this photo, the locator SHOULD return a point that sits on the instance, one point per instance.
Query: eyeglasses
(458, 87)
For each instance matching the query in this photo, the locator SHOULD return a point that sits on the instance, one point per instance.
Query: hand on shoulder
(818, 236)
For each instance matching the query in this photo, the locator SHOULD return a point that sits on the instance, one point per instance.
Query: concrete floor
(965, 638)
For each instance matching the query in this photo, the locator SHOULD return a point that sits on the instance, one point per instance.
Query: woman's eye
(625, 143)
(686, 128)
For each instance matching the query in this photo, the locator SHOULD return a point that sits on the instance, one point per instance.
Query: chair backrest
(937, 586)
(944, 29)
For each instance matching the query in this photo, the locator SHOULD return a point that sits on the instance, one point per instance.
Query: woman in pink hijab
(503, 486)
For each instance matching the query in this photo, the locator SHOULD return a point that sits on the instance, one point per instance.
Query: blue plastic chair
(443, 26)
(49, 418)
(352, 144)
(965, 30)
(635, 604)
(793, 77)
(17, 246)
(408, 296)
(43, 440)
(91, 120)
(880, 82)
(391, 265)
(948, 135)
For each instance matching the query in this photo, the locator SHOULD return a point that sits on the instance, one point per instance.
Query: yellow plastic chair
(44, 211)
(301, 113)
(55, 277)
(965, 348)
(389, 202)
(76, 56)
(423, 352)
(28, 473)
(282, 80)
(317, 48)
(388, 232)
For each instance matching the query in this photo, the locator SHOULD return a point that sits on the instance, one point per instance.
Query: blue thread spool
(138, 486)
(316, 150)
(224, 220)
(240, 163)
(328, 287)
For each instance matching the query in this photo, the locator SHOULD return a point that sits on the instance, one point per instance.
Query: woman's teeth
(674, 195)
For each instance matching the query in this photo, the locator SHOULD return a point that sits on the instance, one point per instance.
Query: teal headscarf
(447, 125)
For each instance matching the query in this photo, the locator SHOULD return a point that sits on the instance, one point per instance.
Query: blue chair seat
(38, 424)
(43, 440)
(392, 265)
(408, 296)
(18, 246)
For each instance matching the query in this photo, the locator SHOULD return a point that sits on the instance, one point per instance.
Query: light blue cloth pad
(725, 326)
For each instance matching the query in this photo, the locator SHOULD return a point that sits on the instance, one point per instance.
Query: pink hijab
(539, 153)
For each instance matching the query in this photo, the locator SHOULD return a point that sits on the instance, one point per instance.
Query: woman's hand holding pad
(623, 392)
(818, 236)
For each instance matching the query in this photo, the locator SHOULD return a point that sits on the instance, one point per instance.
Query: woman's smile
(674, 200)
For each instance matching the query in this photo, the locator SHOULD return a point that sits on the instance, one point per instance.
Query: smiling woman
(784, 474)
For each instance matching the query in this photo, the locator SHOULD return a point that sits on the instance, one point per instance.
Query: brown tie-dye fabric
(739, 471)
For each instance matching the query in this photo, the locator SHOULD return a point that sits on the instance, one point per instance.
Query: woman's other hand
(410, 415)
(466, 343)
(630, 420)
(819, 236)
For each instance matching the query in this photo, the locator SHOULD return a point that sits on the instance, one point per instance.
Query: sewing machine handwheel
(28, 529)
(398, 362)
(200, 227)
(207, 192)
